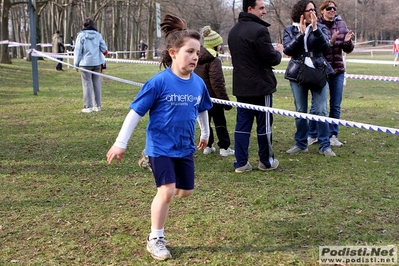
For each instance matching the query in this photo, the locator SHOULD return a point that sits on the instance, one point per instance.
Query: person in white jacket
(89, 52)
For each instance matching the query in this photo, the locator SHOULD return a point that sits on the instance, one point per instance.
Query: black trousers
(216, 113)
(59, 65)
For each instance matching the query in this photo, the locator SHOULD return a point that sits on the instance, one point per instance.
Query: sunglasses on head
(329, 8)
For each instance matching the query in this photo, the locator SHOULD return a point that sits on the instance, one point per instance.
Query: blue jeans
(336, 87)
(242, 133)
(319, 100)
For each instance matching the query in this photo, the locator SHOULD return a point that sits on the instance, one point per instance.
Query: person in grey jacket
(306, 28)
(253, 57)
(89, 52)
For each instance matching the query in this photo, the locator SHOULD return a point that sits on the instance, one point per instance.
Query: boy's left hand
(115, 153)
(202, 144)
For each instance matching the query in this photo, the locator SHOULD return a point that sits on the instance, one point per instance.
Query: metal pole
(35, 71)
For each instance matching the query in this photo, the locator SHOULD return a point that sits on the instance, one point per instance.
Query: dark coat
(209, 68)
(317, 44)
(334, 54)
(143, 46)
(253, 57)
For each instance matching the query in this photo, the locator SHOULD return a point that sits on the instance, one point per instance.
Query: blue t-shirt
(174, 104)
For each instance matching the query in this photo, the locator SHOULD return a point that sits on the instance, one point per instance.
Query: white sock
(155, 233)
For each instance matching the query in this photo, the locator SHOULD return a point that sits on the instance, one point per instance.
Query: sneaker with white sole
(226, 152)
(328, 153)
(311, 141)
(295, 150)
(262, 167)
(144, 162)
(335, 142)
(209, 150)
(243, 169)
(97, 109)
(87, 110)
(157, 248)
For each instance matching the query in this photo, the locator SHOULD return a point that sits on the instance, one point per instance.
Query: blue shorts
(396, 54)
(168, 170)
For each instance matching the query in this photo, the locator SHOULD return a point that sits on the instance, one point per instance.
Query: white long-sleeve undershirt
(130, 123)
(133, 118)
(203, 122)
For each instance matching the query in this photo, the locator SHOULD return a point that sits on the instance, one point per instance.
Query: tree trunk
(68, 23)
(138, 31)
(115, 16)
(127, 29)
(151, 27)
(4, 52)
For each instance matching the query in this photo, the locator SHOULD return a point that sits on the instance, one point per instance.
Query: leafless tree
(124, 22)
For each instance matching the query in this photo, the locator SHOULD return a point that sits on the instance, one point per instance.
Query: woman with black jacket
(306, 28)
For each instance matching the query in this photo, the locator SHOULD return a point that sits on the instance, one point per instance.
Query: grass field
(61, 204)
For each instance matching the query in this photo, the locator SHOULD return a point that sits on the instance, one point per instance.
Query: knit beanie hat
(211, 38)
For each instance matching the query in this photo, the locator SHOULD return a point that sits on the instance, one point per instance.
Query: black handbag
(312, 78)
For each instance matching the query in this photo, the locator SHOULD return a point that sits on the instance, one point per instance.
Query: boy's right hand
(115, 152)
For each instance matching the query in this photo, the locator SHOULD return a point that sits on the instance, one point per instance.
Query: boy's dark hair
(248, 3)
(88, 22)
(299, 8)
(176, 35)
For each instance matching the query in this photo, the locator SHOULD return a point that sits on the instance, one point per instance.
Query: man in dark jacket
(143, 48)
(253, 58)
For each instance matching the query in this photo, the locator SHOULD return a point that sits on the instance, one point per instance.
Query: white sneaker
(262, 167)
(97, 109)
(87, 110)
(209, 150)
(335, 142)
(243, 169)
(226, 152)
(328, 153)
(157, 248)
(144, 161)
(311, 141)
(295, 150)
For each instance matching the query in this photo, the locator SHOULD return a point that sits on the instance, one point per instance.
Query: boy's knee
(166, 192)
(183, 193)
